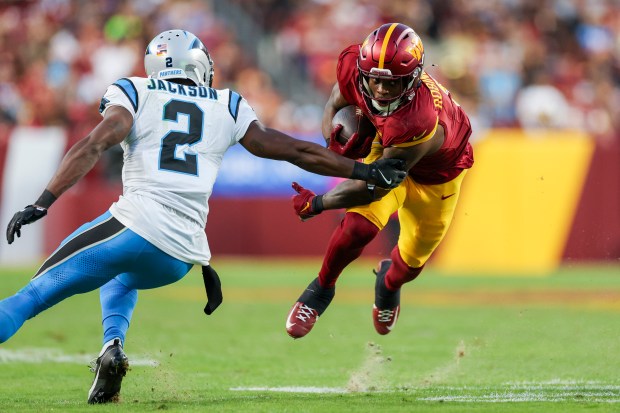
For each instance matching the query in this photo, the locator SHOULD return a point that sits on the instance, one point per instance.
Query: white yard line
(46, 355)
(524, 398)
(293, 389)
(545, 391)
(554, 390)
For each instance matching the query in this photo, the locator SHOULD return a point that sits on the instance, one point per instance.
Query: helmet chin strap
(386, 109)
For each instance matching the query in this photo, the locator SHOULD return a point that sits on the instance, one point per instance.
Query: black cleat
(109, 369)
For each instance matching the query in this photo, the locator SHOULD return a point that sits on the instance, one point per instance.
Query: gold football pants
(424, 215)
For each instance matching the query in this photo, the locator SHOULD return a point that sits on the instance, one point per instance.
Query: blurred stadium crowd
(528, 63)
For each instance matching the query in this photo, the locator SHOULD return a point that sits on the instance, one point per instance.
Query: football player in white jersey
(174, 129)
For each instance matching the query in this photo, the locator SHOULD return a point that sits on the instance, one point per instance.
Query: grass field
(462, 344)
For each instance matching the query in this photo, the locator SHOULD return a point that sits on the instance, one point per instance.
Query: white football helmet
(178, 54)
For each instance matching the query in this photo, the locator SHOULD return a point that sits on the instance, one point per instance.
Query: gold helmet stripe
(385, 44)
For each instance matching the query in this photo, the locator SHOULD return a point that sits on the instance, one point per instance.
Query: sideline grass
(462, 344)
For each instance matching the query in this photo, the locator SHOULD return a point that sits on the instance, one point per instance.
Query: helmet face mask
(178, 54)
(391, 52)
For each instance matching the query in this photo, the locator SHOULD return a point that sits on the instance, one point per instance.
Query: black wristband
(361, 171)
(317, 204)
(46, 199)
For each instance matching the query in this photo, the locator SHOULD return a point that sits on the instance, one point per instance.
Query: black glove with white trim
(28, 215)
(385, 173)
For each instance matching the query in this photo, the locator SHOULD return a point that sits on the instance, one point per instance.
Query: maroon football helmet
(393, 51)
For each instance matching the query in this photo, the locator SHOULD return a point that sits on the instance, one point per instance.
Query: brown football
(352, 120)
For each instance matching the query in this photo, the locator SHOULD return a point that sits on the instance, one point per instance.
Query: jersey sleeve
(242, 113)
(346, 72)
(120, 93)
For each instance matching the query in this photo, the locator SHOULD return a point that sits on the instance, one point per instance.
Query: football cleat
(300, 320)
(109, 369)
(309, 306)
(386, 308)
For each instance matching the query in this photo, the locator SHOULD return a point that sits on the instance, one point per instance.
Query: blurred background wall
(540, 80)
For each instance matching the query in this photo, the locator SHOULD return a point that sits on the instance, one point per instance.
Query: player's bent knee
(359, 229)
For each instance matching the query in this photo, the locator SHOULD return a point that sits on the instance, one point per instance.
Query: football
(352, 120)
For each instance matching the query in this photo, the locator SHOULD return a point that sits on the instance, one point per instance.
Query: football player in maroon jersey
(417, 120)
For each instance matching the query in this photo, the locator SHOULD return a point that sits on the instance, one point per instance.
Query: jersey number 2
(167, 158)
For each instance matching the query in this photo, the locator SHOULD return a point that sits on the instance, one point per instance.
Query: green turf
(462, 344)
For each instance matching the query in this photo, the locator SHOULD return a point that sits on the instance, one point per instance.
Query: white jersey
(171, 159)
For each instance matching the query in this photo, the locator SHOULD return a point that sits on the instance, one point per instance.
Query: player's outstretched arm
(346, 194)
(80, 159)
(83, 156)
(352, 193)
(270, 143)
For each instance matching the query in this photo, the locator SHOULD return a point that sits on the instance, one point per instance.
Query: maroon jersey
(415, 122)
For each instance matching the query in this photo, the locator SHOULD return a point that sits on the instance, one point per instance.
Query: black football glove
(213, 287)
(386, 173)
(26, 216)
